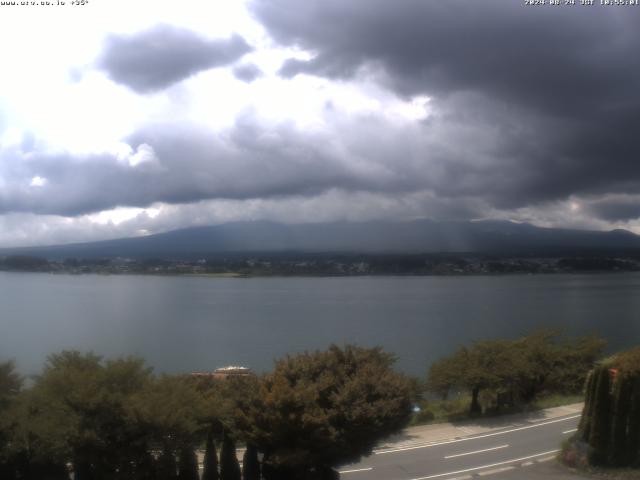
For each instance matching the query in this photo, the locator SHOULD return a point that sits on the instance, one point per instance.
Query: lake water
(181, 324)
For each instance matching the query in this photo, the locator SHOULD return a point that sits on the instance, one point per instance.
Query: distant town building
(225, 372)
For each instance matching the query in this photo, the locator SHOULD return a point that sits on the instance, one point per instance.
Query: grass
(458, 408)
(556, 400)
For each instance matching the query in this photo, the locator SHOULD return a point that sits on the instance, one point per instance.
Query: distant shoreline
(235, 275)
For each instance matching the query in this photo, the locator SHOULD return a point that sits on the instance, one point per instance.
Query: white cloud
(38, 181)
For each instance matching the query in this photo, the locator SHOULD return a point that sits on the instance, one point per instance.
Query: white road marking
(477, 451)
(466, 439)
(570, 431)
(496, 470)
(356, 470)
(486, 466)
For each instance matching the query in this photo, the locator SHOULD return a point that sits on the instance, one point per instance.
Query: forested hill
(420, 236)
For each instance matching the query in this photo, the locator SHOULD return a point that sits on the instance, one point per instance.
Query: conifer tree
(82, 470)
(167, 467)
(188, 464)
(210, 471)
(623, 390)
(250, 464)
(229, 466)
(145, 467)
(632, 456)
(600, 435)
(587, 411)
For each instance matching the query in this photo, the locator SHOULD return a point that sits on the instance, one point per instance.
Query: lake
(183, 324)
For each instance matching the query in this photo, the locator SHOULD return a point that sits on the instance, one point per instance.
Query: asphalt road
(494, 452)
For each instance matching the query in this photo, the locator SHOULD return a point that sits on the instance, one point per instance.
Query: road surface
(466, 457)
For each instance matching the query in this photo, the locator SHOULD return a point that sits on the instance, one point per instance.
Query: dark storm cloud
(179, 163)
(247, 72)
(157, 58)
(558, 85)
(615, 209)
(451, 161)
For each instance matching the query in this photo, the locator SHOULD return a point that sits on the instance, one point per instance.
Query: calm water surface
(196, 323)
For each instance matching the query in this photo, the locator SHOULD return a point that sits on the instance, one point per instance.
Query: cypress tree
(250, 464)
(600, 434)
(145, 467)
(82, 470)
(633, 438)
(7, 470)
(619, 429)
(587, 412)
(229, 466)
(268, 470)
(210, 471)
(166, 466)
(48, 470)
(188, 464)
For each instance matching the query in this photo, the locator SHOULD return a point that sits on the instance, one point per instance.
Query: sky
(131, 117)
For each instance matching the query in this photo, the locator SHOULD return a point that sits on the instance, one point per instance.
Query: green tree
(623, 390)
(587, 412)
(632, 456)
(167, 468)
(210, 471)
(516, 371)
(574, 360)
(78, 410)
(188, 464)
(250, 464)
(600, 435)
(445, 375)
(480, 367)
(319, 410)
(229, 466)
(10, 385)
(169, 412)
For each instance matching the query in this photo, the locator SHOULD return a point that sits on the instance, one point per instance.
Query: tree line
(506, 374)
(114, 419)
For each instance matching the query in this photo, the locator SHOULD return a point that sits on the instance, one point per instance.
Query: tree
(599, 438)
(210, 471)
(611, 416)
(475, 369)
(10, 385)
(587, 412)
(623, 390)
(445, 376)
(78, 410)
(516, 371)
(188, 464)
(167, 467)
(319, 410)
(229, 466)
(168, 411)
(573, 362)
(632, 456)
(250, 464)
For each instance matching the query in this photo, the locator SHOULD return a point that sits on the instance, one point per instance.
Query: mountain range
(418, 236)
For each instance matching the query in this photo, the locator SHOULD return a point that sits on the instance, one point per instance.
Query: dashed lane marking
(496, 470)
(356, 470)
(466, 439)
(477, 451)
(483, 467)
